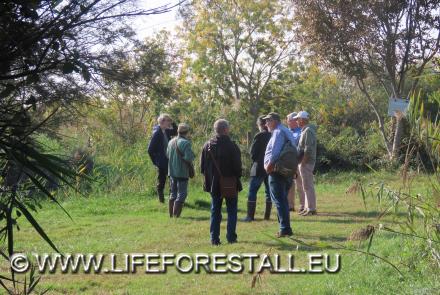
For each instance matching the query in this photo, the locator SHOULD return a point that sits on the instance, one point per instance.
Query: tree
(50, 51)
(237, 48)
(388, 42)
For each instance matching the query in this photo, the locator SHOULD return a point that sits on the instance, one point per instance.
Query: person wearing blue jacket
(157, 151)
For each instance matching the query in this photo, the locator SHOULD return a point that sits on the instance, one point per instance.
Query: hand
(269, 168)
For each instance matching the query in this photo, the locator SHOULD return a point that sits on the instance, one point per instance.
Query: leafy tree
(236, 48)
(50, 51)
(388, 42)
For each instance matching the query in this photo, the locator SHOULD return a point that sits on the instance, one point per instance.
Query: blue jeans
(216, 218)
(279, 188)
(254, 186)
(179, 189)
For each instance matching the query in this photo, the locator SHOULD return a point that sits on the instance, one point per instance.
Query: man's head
(292, 122)
(164, 121)
(261, 123)
(303, 118)
(272, 121)
(221, 127)
(183, 129)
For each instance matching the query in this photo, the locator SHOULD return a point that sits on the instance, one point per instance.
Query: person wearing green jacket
(180, 155)
(307, 144)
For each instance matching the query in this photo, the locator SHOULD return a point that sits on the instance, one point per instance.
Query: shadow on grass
(361, 214)
(196, 218)
(344, 221)
(203, 205)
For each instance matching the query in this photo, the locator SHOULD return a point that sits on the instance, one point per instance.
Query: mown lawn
(137, 223)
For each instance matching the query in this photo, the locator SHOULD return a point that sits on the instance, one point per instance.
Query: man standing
(220, 152)
(258, 174)
(180, 157)
(292, 123)
(279, 185)
(157, 151)
(307, 144)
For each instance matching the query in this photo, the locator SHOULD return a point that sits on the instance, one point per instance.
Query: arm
(236, 160)
(152, 147)
(308, 142)
(188, 154)
(277, 146)
(203, 160)
(254, 148)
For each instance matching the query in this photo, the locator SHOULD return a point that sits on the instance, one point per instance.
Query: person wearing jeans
(279, 185)
(221, 157)
(180, 155)
(258, 174)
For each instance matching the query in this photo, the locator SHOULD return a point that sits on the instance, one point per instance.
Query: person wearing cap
(279, 185)
(180, 155)
(307, 144)
(292, 123)
(258, 174)
(157, 151)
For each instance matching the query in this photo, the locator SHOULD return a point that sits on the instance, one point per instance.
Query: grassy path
(137, 223)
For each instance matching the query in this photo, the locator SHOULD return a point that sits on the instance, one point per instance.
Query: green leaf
(35, 224)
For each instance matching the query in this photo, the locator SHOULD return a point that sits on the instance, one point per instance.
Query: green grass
(135, 222)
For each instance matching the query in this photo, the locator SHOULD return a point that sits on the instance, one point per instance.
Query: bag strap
(214, 160)
(179, 152)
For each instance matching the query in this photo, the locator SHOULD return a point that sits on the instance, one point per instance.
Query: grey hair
(220, 126)
(163, 117)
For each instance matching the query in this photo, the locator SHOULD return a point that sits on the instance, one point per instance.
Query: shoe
(216, 243)
(283, 235)
(291, 209)
(309, 212)
(302, 211)
(232, 242)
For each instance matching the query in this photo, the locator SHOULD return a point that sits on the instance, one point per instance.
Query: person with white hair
(307, 144)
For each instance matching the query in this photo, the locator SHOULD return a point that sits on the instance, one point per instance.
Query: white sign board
(397, 104)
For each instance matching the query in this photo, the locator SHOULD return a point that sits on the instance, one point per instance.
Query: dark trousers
(161, 179)
(279, 188)
(216, 218)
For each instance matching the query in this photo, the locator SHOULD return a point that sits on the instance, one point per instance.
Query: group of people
(171, 152)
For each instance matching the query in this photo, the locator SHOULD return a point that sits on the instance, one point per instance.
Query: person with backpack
(307, 144)
(221, 166)
(180, 161)
(258, 175)
(280, 169)
(157, 151)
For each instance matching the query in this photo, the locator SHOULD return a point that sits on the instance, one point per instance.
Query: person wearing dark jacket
(258, 174)
(157, 151)
(227, 155)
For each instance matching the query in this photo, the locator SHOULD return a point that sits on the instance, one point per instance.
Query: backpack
(287, 163)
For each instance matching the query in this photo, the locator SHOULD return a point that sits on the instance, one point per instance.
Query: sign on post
(397, 105)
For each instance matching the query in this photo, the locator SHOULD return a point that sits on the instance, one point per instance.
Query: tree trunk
(398, 134)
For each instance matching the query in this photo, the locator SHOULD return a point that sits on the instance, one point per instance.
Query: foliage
(389, 42)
